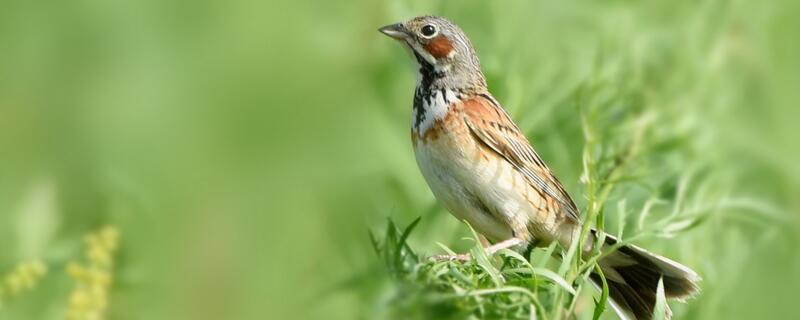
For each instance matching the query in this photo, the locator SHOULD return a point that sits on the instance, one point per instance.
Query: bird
(482, 168)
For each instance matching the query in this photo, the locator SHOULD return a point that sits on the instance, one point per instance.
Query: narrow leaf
(482, 259)
(446, 248)
(600, 305)
(547, 273)
(660, 309)
(541, 260)
(402, 242)
(375, 243)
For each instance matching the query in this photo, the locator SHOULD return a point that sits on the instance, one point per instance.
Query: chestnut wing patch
(492, 126)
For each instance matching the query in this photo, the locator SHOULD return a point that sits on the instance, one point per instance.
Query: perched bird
(483, 169)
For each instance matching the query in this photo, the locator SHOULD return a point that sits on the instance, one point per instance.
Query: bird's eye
(428, 31)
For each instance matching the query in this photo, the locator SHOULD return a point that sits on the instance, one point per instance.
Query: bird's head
(441, 48)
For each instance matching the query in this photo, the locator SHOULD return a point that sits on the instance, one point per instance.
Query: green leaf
(483, 261)
(622, 217)
(375, 243)
(542, 259)
(600, 305)
(402, 242)
(446, 248)
(390, 256)
(460, 276)
(660, 310)
(549, 274)
(516, 256)
(567, 262)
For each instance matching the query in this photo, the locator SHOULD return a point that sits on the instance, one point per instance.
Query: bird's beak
(396, 31)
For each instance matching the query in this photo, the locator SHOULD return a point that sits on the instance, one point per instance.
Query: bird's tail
(632, 275)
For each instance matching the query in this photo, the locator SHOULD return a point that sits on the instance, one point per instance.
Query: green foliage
(639, 114)
(503, 286)
(617, 161)
(243, 147)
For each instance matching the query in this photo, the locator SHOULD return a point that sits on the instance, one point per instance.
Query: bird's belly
(477, 186)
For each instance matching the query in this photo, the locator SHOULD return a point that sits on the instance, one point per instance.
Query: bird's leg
(463, 257)
(505, 244)
(452, 257)
(492, 249)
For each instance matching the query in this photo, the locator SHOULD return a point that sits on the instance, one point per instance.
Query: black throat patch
(425, 87)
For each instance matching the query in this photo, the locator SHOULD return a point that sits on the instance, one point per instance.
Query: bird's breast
(472, 182)
(476, 184)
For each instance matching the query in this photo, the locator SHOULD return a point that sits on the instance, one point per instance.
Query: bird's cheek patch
(440, 47)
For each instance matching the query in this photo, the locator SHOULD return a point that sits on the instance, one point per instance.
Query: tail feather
(632, 275)
(629, 303)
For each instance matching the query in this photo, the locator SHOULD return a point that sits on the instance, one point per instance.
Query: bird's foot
(505, 244)
(490, 250)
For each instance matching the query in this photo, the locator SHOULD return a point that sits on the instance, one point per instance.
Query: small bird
(482, 168)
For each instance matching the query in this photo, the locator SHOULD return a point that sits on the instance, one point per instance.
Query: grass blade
(446, 248)
(483, 260)
(600, 305)
(549, 274)
(404, 236)
(660, 309)
(543, 258)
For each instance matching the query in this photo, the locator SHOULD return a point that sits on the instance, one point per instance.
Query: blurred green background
(243, 149)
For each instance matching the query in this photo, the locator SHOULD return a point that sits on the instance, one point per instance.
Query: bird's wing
(493, 127)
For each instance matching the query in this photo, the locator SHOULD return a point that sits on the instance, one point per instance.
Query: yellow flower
(100, 256)
(93, 279)
(76, 271)
(79, 300)
(24, 277)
